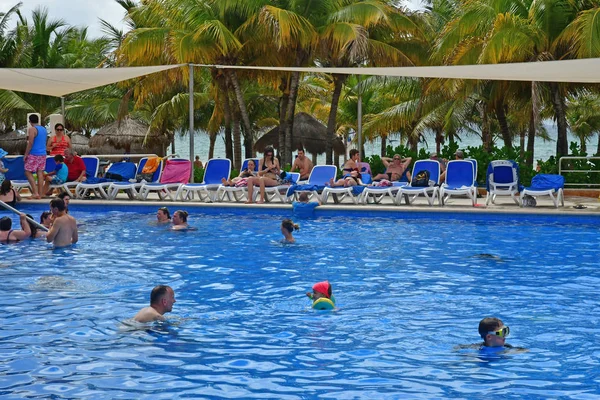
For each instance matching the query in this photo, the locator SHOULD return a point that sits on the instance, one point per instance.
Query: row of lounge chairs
(172, 183)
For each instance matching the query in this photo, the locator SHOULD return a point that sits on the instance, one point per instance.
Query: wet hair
(488, 324)
(57, 125)
(158, 292)
(303, 197)
(34, 228)
(58, 203)
(165, 211)
(44, 215)
(289, 225)
(182, 214)
(59, 158)
(62, 195)
(268, 149)
(353, 152)
(5, 187)
(33, 118)
(5, 224)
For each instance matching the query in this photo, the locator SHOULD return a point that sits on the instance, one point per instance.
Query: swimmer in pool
(287, 227)
(162, 299)
(64, 228)
(180, 220)
(320, 290)
(163, 216)
(493, 332)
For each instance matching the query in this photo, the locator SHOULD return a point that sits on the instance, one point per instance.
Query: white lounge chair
(175, 174)
(216, 170)
(319, 176)
(126, 170)
(237, 193)
(546, 185)
(502, 180)
(132, 189)
(460, 180)
(410, 193)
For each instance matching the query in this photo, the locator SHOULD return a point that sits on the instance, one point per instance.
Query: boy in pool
(493, 332)
(304, 208)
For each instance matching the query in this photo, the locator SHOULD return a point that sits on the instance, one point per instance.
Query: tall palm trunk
(598, 148)
(383, 147)
(582, 144)
(237, 138)
(289, 117)
(240, 100)
(439, 139)
(223, 84)
(486, 133)
(558, 103)
(283, 102)
(530, 140)
(338, 83)
(212, 139)
(504, 130)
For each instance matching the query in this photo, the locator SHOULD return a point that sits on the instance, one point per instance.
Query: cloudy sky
(86, 12)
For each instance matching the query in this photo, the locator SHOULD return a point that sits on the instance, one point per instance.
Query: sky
(86, 12)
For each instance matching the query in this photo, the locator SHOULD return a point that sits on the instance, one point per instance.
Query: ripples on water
(409, 290)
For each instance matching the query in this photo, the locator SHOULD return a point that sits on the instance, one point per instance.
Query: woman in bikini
(9, 195)
(9, 235)
(351, 172)
(268, 175)
(58, 143)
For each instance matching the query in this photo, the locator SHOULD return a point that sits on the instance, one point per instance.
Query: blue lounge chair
(410, 193)
(279, 192)
(92, 166)
(502, 180)
(460, 180)
(132, 189)
(237, 193)
(176, 173)
(319, 176)
(546, 185)
(98, 186)
(216, 169)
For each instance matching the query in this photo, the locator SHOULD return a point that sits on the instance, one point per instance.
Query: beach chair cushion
(121, 171)
(546, 182)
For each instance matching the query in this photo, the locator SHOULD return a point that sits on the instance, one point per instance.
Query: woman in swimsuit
(351, 172)
(180, 220)
(8, 194)
(9, 235)
(59, 142)
(268, 175)
(243, 177)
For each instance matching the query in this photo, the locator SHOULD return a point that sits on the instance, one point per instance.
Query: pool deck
(504, 205)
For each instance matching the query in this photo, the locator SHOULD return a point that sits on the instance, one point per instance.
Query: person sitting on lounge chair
(396, 167)
(268, 175)
(242, 178)
(351, 171)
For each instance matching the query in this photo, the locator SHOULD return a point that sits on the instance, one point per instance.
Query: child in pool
(321, 290)
(303, 208)
(287, 227)
(493, 332)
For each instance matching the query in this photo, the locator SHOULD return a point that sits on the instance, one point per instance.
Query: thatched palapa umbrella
(308, 132)
(13, 142)
(128, 135)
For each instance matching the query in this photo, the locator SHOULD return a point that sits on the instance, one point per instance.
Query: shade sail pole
(62, 110)
(359, 121)
(191, 111)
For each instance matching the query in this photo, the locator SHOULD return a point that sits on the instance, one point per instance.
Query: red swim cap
(323, 288)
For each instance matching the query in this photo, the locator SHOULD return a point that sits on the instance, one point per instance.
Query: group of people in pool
(61, 227)
(178, 221)
(162, 298)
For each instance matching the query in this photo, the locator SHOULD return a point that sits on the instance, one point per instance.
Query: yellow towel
(151, 165)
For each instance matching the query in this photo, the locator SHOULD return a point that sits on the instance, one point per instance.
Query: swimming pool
(410, 289)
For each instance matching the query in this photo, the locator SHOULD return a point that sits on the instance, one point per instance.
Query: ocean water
(409, 292)
(543, 148)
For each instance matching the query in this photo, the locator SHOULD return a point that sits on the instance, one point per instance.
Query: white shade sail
(583, 70)
(59, 82)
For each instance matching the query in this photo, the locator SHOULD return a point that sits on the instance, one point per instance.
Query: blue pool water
(410, 288)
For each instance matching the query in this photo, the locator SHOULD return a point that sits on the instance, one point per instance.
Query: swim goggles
(502, 332)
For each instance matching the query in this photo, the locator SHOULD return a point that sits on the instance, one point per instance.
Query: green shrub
(198, 174)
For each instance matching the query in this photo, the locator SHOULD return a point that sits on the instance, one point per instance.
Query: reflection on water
(409, 291)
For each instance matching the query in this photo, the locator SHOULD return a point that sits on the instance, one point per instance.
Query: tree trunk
(212, 139)
(522, 144)
(413, 141)
(224, 84)
(283, 105)
(248, 151)
(314, 158)
(289, 117)
(439, 140)
(598, 148)
(237, 139)
(504, 130)
(383, 147)
(583, 144)
(562, 145)
(240, 100)
(530, 141)
(486, 134)
(338, 83)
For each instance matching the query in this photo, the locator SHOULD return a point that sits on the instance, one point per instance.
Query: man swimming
(64, 228)
(162, 299)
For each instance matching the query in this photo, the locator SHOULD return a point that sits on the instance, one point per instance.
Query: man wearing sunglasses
(396, 167)
(493, 332)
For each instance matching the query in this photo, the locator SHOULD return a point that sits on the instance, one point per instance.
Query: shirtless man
(64, 228)
(303, 165)
(395, 168)
(162, 299)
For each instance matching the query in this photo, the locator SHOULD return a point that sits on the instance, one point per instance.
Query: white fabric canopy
(59, 82)
(582, 70)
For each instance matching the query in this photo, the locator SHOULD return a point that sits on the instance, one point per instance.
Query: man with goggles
(493, 332)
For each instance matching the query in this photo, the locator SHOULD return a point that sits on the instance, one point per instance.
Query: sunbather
(242, 179)
(302, 164)
(351, 172)
(396, 168)
(268, 175)
(287, 227)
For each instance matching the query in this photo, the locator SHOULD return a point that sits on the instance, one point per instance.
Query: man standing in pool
(64, 228)
(162, 299)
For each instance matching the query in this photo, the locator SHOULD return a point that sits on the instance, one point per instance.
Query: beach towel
(151, 165)
(547, 181)
(176, 171)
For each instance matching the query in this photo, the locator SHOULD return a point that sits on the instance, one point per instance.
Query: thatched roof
(13, 142)
(308, 132)
(124, 134)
